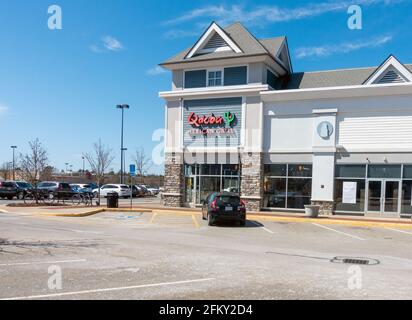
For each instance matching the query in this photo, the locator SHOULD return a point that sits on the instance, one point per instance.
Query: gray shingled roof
(333, 78)
(243, 38)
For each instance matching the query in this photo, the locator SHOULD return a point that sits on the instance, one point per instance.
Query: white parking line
(40, 262)
(340, 232)
(55, 295)
(401, 231)
(262, 227)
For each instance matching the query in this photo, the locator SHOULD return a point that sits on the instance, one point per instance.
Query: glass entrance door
(375, 196)
(391, 199)
(383, 196)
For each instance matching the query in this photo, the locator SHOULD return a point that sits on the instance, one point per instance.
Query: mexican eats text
(212, 125)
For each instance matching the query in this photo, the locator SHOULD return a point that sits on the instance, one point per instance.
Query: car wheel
(9, 198)
(210, 221)
(242, 223)
(20, 196)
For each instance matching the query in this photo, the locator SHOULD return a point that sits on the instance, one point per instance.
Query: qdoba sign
(215, 124)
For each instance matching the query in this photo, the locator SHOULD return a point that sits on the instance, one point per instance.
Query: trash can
(112, 200)
(312, 211)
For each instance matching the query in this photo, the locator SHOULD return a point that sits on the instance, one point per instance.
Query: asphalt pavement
(177, 256)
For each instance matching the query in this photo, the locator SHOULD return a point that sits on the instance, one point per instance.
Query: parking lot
(177, 256)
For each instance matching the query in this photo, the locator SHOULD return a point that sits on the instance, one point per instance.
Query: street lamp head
(13, 147)
(123, 106)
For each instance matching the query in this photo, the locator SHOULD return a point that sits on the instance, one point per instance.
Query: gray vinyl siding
(235, 76)
(217, 107)
(195, 79)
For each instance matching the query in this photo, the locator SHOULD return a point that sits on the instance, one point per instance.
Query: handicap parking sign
(132, 170)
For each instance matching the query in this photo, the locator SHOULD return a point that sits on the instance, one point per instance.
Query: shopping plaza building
(239, 119)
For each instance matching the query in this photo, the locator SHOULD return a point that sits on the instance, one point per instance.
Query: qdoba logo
(199, 121)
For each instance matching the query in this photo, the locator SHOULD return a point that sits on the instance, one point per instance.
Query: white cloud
(156, 71)
(109, 43)
(3, 109)
(327, 50)
(112, 44)
(262, 14)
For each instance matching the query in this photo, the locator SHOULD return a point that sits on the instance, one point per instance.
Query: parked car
(61, 190)
(11, 189)
(84, 186)
(145, 191)
(121, 189)
(153, 190)
(137, 192)
(224, 206)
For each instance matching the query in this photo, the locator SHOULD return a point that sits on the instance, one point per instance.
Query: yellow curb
(195, 221)
(73, 215)
(153, 217)
(364, 224)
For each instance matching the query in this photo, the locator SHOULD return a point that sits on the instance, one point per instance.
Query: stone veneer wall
(326, 207)
(174, 181)
(252, 181)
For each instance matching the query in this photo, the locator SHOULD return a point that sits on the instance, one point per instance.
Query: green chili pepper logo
(229, 118)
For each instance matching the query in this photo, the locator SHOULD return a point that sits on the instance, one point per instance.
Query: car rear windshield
(7, 185)
(23, 185)
(230, 199)
(125, 187)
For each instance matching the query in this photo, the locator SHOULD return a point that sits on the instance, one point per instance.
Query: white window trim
(222, 70)
(392, 61)
(213, 28)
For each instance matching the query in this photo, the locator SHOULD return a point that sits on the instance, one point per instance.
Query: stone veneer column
(252, 181)
(326, 207)
(174, 181)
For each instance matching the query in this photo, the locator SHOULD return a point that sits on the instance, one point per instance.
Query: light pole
(14, 163)
(122, 107)
(67, 164)
(83, 164)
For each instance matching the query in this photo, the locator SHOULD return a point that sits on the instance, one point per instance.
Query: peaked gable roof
(241, 37)
(390, 71)
(216, 33)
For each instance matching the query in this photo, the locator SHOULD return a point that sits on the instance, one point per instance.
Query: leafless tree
(99, 160)
(143, 163)
(33, 163)
(5, 171)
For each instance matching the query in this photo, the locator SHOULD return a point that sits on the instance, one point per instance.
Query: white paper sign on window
(349, 192)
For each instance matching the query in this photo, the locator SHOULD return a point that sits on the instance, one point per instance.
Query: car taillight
(213, 205)
(242, 205)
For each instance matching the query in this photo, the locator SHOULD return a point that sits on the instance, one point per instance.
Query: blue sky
(62, 86)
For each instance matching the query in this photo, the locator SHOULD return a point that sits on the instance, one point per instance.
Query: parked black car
(11, 189)
(60, 190)
(224, 206)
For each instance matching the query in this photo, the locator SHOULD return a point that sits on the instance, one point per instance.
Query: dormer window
(214, 78)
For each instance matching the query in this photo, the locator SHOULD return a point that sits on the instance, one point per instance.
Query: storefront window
(384, 171)
(203, 179)
(300, 170)
(357, 204)
(275, 193)
(406, 207)
(351, 171)
(299, 193)
(276, 170)
(288, 186)
(350, 188)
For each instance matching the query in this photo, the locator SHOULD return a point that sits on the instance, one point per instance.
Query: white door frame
(383, 182)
